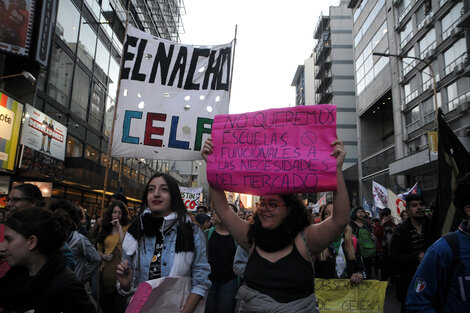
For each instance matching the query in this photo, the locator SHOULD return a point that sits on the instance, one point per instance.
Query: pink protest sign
(274, 151)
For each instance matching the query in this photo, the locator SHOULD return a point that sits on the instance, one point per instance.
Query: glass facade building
(395, 98)
(78, 89)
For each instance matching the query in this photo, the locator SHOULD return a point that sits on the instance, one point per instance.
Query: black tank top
(288, 279)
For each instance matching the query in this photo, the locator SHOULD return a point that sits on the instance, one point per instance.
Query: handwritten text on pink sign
(274, 151)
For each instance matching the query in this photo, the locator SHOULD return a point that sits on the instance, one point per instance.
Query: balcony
(378, 161)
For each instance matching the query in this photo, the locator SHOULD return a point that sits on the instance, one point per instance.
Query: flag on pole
(369, 207)
(322, 200)
(414, 190)
(380, 195)
(453, 162)
(396, 205)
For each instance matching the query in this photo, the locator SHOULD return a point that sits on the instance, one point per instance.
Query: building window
(411, 90)
(80, 93)
(403, 8)
(115, 165)
(126, 170)
(92, 154)
(74, 148)
(60, 76)
(455, 56)
(68, 23)
(427, 44)
(87, 45)
(101, 62)
(113, 78)
(412, 119)
(105, 160)
(426, 76)
(428, 110)
(449, 22)
(458, 93)
(406, 34)
(95, 116)
(407, 63)
(365, 26)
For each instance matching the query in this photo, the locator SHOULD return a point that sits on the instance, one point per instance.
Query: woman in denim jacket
(164, 242)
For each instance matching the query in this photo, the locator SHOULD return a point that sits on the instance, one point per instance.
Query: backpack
(457, 266)
(366, 243)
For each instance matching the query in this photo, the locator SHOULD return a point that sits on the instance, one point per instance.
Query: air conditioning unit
(396, 2)
(453, 31)
(459, 68)
(456, 32)
(428, 20)
(463, 107)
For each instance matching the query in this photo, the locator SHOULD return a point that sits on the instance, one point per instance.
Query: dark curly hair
(42, 224)
(106, 226)
(295, 222)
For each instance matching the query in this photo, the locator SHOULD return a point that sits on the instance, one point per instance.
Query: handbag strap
(309, 253)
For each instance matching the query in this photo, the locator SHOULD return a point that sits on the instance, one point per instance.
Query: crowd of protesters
(227, 259)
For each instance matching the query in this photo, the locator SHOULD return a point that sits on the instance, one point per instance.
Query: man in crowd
(442, 281)
(409, 242)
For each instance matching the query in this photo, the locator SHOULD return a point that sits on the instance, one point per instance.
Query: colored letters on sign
(274, 151)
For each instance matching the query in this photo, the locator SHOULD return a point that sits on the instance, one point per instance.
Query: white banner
(191, 197)
(168, 97)
(396, 205)
(380, 195)
(43, 134)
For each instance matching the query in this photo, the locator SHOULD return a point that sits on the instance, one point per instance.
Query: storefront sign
(11, 112)
(43, 134)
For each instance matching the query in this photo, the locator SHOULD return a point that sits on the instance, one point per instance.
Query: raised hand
(207, 149)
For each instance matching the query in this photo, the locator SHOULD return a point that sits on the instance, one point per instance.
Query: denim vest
(199, 269)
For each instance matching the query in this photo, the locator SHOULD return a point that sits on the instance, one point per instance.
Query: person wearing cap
(383, 232)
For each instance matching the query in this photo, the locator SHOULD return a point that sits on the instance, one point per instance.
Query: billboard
(43, 134)
(11, 112)
(16, 22)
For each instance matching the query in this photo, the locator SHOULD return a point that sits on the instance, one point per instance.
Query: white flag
(396, 205)
(380, 195)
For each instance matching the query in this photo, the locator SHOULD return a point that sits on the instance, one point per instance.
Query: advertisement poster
(11, 112)
(43, 134)
(16, 23)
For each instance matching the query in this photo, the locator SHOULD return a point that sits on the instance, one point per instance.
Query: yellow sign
(339, 295)
(432, 139)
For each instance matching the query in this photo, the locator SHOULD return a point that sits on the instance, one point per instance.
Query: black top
(221, 249)
(288, 279)
(406, 245)
(53, 289)
(155, 270)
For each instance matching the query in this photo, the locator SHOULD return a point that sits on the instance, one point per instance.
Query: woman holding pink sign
(279, 274)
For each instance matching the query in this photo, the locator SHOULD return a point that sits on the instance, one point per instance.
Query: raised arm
(237, 227)
(319, 236)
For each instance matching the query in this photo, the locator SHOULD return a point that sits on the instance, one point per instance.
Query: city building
(304, 82)
(75, 52)
(395, 95)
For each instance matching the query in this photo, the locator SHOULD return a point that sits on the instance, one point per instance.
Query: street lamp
(433, 76)
(25, 74)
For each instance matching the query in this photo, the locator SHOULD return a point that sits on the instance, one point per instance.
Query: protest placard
(339, 295)
(169, 94)
(191, 197)
(275, 151)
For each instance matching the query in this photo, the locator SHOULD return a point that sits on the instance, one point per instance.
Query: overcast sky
(273, 38)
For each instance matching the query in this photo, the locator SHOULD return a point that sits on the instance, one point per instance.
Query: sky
(273, 39)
